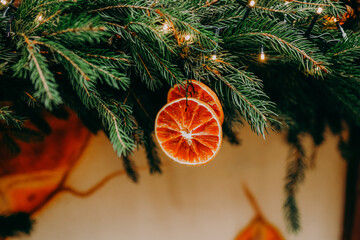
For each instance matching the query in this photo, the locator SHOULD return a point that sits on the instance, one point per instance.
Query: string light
(262, 54)
(4, 2)
(213, 57)
(316, 16)
(248, 9)
(343, 33)
(187, 37)
(319, 10)
(39, 18)
(166, 27)
(252, 3)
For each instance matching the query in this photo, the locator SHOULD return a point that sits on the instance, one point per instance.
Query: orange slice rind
(188, 131)
(200, 91)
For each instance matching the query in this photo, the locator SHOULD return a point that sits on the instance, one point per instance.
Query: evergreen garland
(112, 62)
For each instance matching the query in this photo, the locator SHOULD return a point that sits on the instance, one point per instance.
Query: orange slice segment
(188, 131)
(200, 91)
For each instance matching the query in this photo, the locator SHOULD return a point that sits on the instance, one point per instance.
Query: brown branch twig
(346, 50)
(94, 188)
(147, 70)
(207, 4)
(31, 97)
(308, 3)
(107, 58)
(83, 29)
(121, 6)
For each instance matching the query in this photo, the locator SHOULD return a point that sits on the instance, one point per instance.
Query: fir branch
(152, 155)
(283, 39)
(292, 46)
(9, 117)
(207, 4)
(51, 3)
(147, 70)
(68, 58)
(14, 224)
(141, 47)
(248, 98)
(113, 78)
(295, 175)
(353, 49)
(43, 22)
(75, 30)
(272, 10)
(42, 77)
(130, 169)
(123, 144)
(160, 40)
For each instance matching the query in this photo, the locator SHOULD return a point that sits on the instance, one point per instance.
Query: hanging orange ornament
(197, 90)
(350, 13)
(188, 131)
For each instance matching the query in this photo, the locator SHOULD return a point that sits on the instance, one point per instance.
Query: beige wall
(195, 202)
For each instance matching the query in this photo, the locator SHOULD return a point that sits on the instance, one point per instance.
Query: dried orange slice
(188, 131)
(200, 91)
(260, 229)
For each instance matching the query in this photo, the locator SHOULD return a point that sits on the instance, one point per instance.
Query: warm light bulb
(213, 57)
(187, 37)
(262, 56)
(166, 27)
(335, 20)
(39, 18)
(252, 3)
(4, 2)
(319, 10)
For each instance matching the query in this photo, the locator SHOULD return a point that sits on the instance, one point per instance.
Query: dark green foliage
(130, 169)
(13, 224)
(112, 63)
(9, 117)
(295, 175)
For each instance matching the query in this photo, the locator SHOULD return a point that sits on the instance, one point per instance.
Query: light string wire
(249, 7)
(11, 18)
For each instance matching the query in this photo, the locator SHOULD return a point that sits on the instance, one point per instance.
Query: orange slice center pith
(188, 131)
(200, 91)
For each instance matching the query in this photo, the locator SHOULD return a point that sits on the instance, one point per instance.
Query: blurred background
(98, 201)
